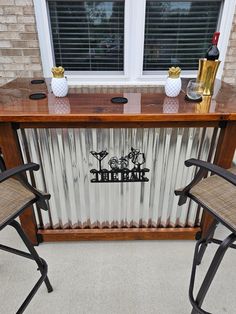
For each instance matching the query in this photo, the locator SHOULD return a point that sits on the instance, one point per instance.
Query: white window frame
(133, 41)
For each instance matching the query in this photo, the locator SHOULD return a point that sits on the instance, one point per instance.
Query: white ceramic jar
(173, 82)
(59, 83)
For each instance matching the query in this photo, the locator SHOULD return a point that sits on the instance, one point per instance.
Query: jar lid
(174, 72)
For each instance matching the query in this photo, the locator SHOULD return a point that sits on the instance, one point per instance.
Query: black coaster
(37, 81)
(193, 100)
(119, 100)
(37, 96)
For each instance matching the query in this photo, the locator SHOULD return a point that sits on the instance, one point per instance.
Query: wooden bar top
(15, 105)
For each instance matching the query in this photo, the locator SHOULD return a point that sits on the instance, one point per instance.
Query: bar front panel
(71, 158)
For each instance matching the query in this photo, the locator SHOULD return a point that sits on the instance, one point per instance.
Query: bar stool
(16, 194)
(217, 195)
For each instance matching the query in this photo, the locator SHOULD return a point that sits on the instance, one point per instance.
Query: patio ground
(139, 277)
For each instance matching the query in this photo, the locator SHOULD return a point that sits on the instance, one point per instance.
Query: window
(178, 33)
(129, 41)
(88, 35)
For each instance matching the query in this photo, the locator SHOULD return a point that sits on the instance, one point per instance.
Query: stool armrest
(225, 174)
(204, 168)
(17, 170)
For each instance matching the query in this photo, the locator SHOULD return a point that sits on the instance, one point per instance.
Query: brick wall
(229, 75)
(19, 47)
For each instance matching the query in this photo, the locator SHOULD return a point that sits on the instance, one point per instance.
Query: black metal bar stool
(217, 195)
(16, 194)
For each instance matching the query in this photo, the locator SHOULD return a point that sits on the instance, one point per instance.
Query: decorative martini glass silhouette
(100, 156)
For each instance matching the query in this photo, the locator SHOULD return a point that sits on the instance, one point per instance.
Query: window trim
(134, 38)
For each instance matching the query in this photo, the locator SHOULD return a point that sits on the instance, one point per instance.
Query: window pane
(88, 35)
(178, 33)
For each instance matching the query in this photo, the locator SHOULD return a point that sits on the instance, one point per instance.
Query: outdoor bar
(112, 168)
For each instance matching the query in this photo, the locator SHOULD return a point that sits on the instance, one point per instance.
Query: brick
(24, 2)
(6, 60)
(231, 66)
(7, 2)
(9, 35)
(37, 73)
(16, 27)
(13, 66)
(26, 19)
(9, 74)
(28, 10)
(232, 43)
(36, 60)
(8, 19)
(14, 10)
(28, 36)
(21, 59)
(229, 80)
(31, 52)
(23, 73)
(11, 52)
(230, 51)
(30, 28)
(19, 44)
(229, 73)
(5, 44)
(3, 27)
(231, 59)
(33, 44)
(33, 67)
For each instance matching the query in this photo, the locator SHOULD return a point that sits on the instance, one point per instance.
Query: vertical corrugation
(65, 159)
(45, 139)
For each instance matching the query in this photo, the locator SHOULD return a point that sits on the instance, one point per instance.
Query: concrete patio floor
(139, 277)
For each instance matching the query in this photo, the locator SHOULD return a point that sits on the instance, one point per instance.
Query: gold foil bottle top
(58, 72)
(174, 72)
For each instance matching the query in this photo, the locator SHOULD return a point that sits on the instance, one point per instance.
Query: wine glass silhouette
(99, 156)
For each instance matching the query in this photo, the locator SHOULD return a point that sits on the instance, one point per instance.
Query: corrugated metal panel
(65, 159)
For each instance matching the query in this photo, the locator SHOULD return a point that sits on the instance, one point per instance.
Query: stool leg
(210, 273)
(205, 242)
(42, 266)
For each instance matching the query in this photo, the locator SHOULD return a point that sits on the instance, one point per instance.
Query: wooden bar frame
(119, 234)
(23, 113)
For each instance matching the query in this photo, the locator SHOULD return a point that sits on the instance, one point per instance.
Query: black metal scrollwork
(119, 171)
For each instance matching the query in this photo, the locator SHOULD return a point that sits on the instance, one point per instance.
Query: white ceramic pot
(59, 86)
(173, 86)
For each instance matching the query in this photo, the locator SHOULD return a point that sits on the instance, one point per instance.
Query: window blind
(178, 33)
(88, 35)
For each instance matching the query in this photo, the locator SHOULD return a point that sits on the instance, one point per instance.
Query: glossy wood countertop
(15, 105)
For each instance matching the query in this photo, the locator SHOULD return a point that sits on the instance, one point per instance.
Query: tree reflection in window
(88, 35)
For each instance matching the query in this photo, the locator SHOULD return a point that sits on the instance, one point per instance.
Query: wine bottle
(213, 52)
